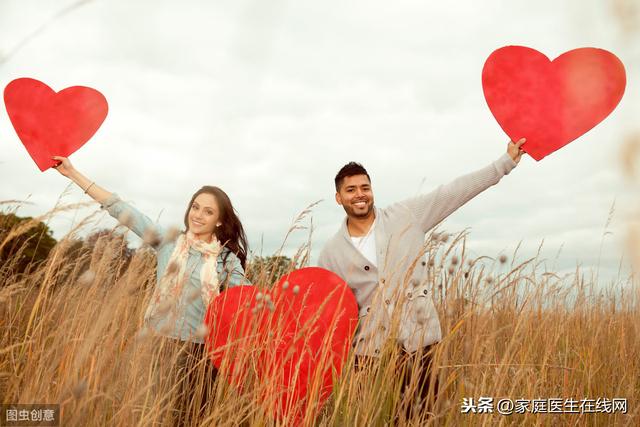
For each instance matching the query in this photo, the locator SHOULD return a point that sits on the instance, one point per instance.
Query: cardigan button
(366, 268)
(368, 309)
(387, 302)
(424, 263)
(377, 351)
(425, 292)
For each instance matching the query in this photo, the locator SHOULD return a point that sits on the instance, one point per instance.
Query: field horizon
(511, 331)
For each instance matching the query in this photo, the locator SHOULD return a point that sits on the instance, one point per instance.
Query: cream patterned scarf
(168, 292)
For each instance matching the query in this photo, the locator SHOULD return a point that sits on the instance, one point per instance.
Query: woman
(192, 268)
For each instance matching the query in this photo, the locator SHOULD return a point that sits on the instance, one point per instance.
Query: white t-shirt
(367, 245)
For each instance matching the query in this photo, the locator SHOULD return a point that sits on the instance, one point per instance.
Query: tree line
(26, 243)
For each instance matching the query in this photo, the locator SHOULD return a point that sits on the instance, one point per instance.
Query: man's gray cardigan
(394, 298)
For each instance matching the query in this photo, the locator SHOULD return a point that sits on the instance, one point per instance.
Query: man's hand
(514, 150)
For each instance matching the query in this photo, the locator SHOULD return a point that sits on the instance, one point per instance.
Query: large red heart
(551, 103)
(50, 123)
(293, 338)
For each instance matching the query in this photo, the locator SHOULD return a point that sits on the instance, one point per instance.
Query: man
(379, 253)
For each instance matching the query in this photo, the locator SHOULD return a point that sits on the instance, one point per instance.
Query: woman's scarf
(167, 294)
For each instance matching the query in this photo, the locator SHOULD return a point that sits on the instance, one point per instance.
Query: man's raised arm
(431, 208)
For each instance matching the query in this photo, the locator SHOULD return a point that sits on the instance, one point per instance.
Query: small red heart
(53, 124)
(295, 345)
(551, 103)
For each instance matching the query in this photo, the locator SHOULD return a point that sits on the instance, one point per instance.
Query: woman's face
(204, 216)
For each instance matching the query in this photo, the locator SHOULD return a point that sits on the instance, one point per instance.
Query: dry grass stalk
(75, 337)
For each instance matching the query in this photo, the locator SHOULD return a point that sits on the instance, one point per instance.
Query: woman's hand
(514, 150)
(96, 192)
(64, 166)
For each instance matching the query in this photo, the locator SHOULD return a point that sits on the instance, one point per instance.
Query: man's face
(355, 196)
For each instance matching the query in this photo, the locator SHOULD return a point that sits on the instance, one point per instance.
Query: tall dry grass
(72, 336)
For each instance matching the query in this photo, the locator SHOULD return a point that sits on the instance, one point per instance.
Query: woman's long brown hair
(230, 234)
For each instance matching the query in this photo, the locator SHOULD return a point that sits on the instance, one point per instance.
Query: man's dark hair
(350, 169)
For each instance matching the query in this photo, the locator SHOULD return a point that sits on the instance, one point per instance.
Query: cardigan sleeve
(324, 259)
(431, 208)
(136, 221)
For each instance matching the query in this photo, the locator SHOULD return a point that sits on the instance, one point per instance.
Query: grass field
(71, 336)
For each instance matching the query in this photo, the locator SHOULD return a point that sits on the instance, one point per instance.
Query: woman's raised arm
(125, 213)
(96, 192)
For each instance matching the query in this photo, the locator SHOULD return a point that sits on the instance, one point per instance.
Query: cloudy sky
(268, 99)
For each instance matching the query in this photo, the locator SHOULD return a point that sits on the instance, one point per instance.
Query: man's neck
(359, 227)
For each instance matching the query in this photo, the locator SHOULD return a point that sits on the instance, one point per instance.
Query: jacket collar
(344, 229)
(381, 239)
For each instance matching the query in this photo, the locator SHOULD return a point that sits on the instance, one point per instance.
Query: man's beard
(352, 213)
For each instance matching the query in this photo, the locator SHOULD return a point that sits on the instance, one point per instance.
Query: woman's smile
(197, 223)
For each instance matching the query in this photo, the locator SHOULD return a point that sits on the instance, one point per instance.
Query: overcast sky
(268, 99)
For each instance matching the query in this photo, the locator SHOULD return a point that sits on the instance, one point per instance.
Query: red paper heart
(53, 124)
(551, 103)
(294, 346)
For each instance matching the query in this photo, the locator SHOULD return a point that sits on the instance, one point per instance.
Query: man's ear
(338, 199)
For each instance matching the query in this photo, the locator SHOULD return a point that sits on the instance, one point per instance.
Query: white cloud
(269, 99)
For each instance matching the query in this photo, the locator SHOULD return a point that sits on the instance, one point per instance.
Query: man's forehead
(357, 180)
